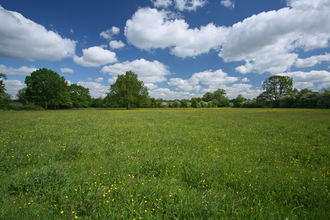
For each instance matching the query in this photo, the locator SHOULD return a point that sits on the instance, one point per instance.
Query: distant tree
(184, 103)
(45, 87)
(21, 94)
(79, 96)
(276, 86)
(238, 100)
(219, 95)
(98, 103)
(128, 90)
(215, 102)
(4, 97)
(194, 103)
(176, 104)
(208, 97)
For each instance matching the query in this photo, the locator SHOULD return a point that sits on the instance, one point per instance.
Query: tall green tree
(4, 97)
(45, 87)
(79, 96)
(238, 100)
(276, 86)
(208, 97)
(128, 90)
(219, 95)
(21, 94)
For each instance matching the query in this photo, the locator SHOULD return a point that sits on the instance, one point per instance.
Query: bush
(251, 104)
(25, 108)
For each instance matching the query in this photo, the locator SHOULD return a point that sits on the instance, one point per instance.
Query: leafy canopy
(128, 90)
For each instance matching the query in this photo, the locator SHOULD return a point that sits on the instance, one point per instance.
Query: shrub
(25, 108)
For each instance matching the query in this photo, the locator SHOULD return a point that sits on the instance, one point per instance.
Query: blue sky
(179, 48)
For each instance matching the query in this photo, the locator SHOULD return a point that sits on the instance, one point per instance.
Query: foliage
(25, 108)
(215, 102)
(129, 90)
(79, 96)
(194, 103)
(177, 103)
(45, 87)
(239, 100)
(164, 105)
(251, 104)
(221, 163)
(184, 103)
(275, 87)
(5, 98)
(21, 94)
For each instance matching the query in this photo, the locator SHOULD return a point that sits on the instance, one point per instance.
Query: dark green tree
(128, 90)
(238, 100)
(4, 97)
(79, 96)
(219, 95)
(208, 97)
(45, 87)
(194, 103)
(184, 103)
(276, 86)
(21, 94)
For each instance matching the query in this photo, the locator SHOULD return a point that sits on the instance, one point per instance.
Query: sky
(180, 49)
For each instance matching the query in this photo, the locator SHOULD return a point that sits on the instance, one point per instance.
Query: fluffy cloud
(228, 3)
(67, 70)
(162, 3)
(208, 77)
(95, 56)
(311, 61)
(150, 29)
(100, 79)
(24, 39)
(22, 71)
(150, 86)
(167, 94)
(116, 44)
(148, 72)
(267, 41)
(190, 5)
(245, 80)
(12, 86)
(96, 89)
(110, 32)
(307, 79)
(112, 80)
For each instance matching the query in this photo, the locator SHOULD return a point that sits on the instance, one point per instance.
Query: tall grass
(165, 164)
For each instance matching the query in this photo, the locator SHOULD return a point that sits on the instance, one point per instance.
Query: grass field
(165, 164)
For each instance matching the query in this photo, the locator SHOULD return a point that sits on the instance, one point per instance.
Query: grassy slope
(165, 164)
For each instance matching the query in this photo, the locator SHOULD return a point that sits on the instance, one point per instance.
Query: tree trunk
(128, 106)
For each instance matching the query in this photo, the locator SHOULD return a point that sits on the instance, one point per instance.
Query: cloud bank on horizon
(292, 41)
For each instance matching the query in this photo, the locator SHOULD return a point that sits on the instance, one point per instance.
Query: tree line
(47, 89)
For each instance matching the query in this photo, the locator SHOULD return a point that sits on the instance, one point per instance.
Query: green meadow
(214, 163)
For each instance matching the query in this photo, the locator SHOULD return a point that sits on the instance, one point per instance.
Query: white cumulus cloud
(67, 70)
(167, 94)
(311, 61)
(24, 39)
(147, 71)
(162, 3)
(307, 79)
(228, 3)
(95, 57)
(116, 44)
(267, 41)
(150, 29)
(110, 32)
(99, 79)
(209, 77)
(12, 86)
(96, 89)
(22, 71)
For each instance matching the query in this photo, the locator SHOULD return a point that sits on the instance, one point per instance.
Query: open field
(165, 164)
